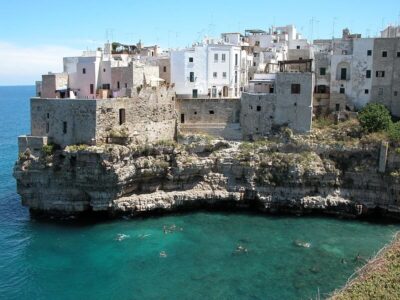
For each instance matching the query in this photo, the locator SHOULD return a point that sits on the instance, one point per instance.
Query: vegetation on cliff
(379, 279)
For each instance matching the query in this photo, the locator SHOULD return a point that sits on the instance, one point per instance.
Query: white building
(211, 69)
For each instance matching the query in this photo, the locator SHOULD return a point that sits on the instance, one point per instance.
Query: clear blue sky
(46, 29)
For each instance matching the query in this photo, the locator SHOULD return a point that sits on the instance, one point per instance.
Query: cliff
(330, 171)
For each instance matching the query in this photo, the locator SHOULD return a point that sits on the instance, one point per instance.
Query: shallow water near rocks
(179, 256)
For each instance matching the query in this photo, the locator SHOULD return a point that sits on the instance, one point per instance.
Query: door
(194, 93)
(343, 74)
(214, 92)
(225, 91)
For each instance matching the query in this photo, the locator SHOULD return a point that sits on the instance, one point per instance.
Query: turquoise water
(195, 259)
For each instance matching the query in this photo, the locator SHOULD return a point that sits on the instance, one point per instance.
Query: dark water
(121, 259)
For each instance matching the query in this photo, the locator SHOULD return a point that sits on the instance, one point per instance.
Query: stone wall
(51, 83)
(64, 121)
(210, 116)
(149, 116)
(294, 110)
(257, 114)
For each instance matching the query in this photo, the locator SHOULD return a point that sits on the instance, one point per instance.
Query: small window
(223, 74)
(165, 69)
(91, 88)
(380, 91)
(104, 70)
(297, 47)
(369, 52)
(118, 84)
(47, 127)
(254, 65)
(258, 108)
(322, 71)
(398, 54)
(236, 59)
(191, 76)
(342, 90)
(337, 106)
(257, 43)
(216, 57)
(83, 71)
(211, 112)
(223, 57)
(48, 116)
(368, 74)
(122, 116)
(300, 58)
(384, 53)
(190, 59)
(395, 93)
(380, 74)
(344, 52)
(366, 91)
(215, 75)
(126, 85)
(195, 112)
(295, 88)
(65, 127)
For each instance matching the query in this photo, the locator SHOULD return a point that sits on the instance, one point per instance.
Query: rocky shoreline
(284, 174)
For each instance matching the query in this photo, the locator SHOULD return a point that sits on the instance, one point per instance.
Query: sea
(200, 255)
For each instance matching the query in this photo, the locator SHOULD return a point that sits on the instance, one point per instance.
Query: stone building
(281, 99)
(148, 116)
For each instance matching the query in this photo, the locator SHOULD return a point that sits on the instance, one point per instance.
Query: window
(91, 88)
(380, 91)
(47, 127)
(236, 77)
(65, 127)
(344, 52)
(126, 85)
(368, 74)
(194, 93)
(337, 106)
(122, 116)
(271, 89)
(165, 69)
(342, 90)
(223, 74)
(191, 59)
(258, 108)
(191, 77)
(83, 71)
(215, 75)
(257, 43)
(118, 84)
(211, 112)
(182, 118)
(384, 53)
(48, 116)
(380, 74)
(295, 88)
(366, 92)
(254, 64)
(216, 57)
(322, 71)
(369, 53)
(104, 70)
(223, 57)
(395, 93)
(297, 47)
(398, 54)
(236, 59)
(343, 74)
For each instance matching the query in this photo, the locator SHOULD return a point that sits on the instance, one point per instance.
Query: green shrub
(375, 117)
(48, 149)
(394, 132)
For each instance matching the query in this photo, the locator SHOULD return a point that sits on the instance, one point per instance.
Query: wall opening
(122, 116)
(182, 118)
(65, 127)
(92, 88)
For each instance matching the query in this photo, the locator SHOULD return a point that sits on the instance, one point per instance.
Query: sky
(35, 35)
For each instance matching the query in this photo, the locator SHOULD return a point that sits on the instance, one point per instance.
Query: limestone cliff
(296, 174)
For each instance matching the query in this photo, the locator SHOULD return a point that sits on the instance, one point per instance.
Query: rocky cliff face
(288, 174)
